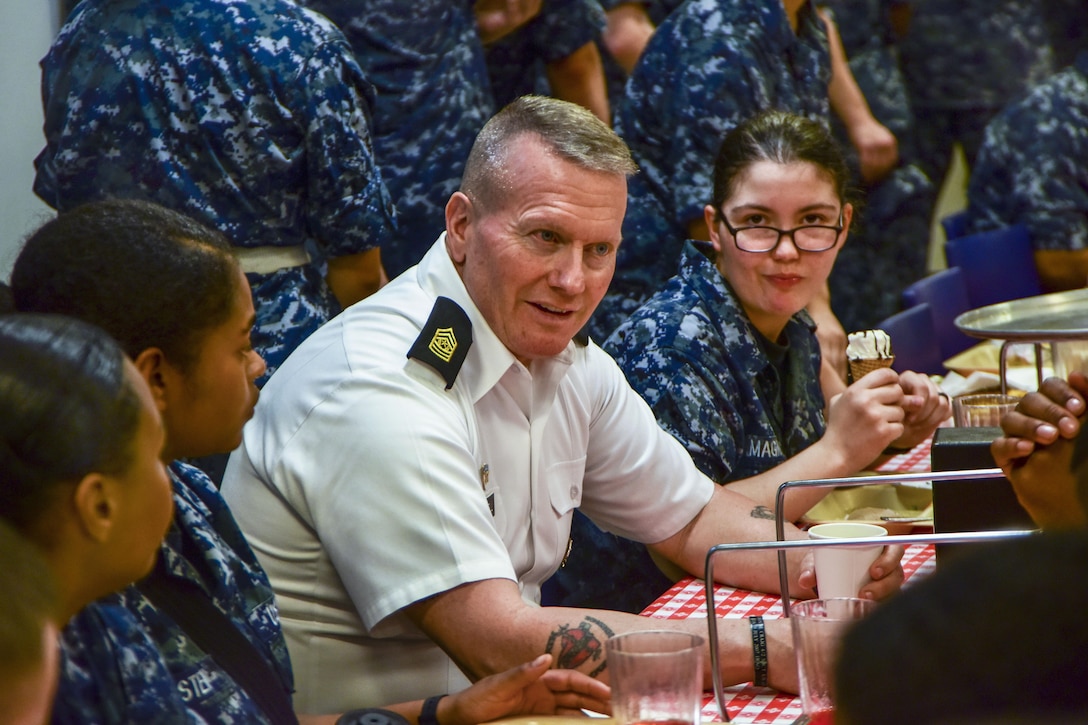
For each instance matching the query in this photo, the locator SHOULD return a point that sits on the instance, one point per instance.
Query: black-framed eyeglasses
(763, 239)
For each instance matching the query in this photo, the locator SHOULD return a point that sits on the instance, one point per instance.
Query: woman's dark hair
(783, 138)
(148, 276)
(67, 409)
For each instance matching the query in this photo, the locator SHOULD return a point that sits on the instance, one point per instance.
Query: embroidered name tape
(444, 341)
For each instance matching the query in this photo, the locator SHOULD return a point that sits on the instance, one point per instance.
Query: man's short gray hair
(567, 129)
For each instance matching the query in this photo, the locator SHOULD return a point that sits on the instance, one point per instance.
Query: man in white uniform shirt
(410, 474)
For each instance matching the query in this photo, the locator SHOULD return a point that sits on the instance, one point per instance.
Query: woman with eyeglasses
(727, 356)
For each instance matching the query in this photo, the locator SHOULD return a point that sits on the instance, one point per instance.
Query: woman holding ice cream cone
(726, 354)
(729, 361)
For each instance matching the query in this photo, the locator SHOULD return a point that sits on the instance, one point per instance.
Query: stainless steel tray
(1052, 317)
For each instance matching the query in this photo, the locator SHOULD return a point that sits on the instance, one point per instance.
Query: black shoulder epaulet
(444, 340)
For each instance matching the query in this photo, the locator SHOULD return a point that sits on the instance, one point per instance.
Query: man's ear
(458, 219)
(96, 506)
(152, 366)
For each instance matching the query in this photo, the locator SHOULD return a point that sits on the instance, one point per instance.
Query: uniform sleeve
(1035, 173)
(687, 92)
(564, 26)
(380, 476)
(348, 208)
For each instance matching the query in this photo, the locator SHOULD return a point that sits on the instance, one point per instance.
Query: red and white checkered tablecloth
(747, 703)
(916, 460)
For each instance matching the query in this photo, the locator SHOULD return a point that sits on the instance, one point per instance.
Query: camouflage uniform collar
(724, 310)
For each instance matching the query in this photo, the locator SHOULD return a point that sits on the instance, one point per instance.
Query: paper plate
(866, 504)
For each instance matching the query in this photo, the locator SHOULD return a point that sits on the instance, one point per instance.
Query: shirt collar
(488, 358)
(723, 307)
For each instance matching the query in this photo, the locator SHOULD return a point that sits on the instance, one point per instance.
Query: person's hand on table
(924, 406)
(529, 689)
(1036, 448)
(886, 574)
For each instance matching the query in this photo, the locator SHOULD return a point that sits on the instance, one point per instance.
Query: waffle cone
(859, 368)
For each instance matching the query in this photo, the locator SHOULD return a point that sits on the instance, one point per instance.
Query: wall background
(27, 28)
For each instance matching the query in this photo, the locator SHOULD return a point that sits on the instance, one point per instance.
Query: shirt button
(574, 492)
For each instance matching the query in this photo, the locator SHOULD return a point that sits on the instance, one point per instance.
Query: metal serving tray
(1045, 318)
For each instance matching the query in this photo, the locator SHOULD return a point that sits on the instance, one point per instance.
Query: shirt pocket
(564, 482)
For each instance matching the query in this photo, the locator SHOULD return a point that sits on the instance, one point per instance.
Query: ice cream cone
(859, 368)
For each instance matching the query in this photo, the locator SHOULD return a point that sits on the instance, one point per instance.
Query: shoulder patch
(444, 340)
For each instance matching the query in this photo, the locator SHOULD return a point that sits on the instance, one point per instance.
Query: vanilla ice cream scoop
(868, 350)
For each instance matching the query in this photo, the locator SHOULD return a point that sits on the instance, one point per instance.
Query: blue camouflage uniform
(739, 403)
(615, 75)
(124, 661)
(517, 62)
(710, 65)
(433, 96)
(248, 115)
(869, 41)
(963, 61)
(1033, 166)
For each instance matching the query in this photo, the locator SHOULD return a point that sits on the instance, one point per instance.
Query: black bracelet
(429, 714)
(759, 650)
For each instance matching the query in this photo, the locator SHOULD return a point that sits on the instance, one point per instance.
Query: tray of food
(898, 508)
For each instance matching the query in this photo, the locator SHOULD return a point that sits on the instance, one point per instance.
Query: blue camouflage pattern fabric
(888, 248)
(615, 75)
(869, 40)
(124, 661)
(710, 65)
(963, 61)
(433, 97)
(1033, 166)
(694, 356)
(248, 115)
(517, 62)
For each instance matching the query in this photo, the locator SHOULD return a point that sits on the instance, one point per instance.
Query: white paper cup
(843, 572)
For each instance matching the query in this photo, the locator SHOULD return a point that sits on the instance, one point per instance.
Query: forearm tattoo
(573, 647)
(762, 512)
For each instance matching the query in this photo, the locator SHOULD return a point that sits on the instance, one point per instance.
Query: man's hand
(886, 574)
(529, 689)
(496, 18)
(1041, 418)
(1036, 448)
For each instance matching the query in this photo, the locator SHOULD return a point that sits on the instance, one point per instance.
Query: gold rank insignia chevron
(444, 340)
(444, 343)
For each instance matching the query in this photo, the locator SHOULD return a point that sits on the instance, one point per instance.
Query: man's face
(539, 259)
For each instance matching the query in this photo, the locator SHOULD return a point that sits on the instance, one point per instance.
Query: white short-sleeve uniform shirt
(364, 484)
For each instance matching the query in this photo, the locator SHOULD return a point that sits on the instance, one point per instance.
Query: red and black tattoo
(580, 645)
